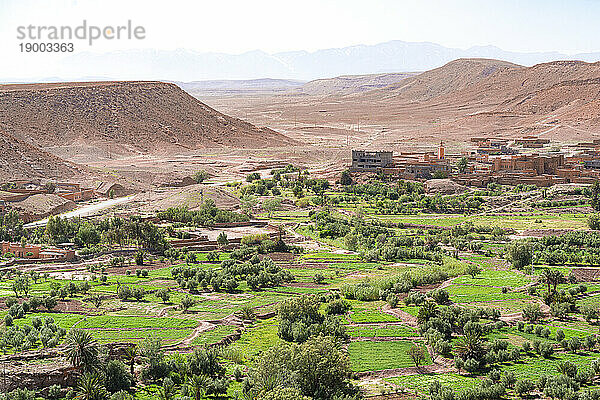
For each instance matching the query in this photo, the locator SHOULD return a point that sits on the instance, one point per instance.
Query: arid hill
(348, 84)
(454, 76)
(559, 100)
(124, 117)
(20, 160)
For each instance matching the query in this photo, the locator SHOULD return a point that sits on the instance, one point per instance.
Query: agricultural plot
(385, 294)
(377, 356)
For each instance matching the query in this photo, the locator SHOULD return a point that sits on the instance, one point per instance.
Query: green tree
(222, 239)
(90, 387)
(462, 165)
(197, 385)
(164, 294)
(116, 376)
(520, 254)
(594, 221)
(167, 391)
(595, 196)
(200, 176)
(187, 302)
(271, 204)
(318, 367)
(532, 312)
(346, 178)
(428, 310)
(81, 349)
(416, 354)
(473, 270)
(130, 354)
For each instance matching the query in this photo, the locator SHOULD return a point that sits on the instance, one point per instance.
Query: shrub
(523, 387)
(117, 377)
(337, 307)
(532, 312)
(187, 302)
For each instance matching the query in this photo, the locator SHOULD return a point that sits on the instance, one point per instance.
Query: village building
(36, 252)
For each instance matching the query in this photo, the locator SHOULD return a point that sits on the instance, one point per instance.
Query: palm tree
(552, 278)
(469, 345)
(90, 387)
(546, 277)
(557, 277)
(197, 385)
(130, 355)
(167, 391)
(428, 310)
(81, 349)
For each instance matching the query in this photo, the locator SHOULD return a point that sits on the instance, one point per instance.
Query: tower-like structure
(441, 151)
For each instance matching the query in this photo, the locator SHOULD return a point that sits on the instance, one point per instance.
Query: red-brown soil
(463, 99)
(123, 117)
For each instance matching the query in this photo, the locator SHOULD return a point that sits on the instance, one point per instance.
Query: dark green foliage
(299, 319)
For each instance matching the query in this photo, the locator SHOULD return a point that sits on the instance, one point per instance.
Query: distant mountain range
(187, 65)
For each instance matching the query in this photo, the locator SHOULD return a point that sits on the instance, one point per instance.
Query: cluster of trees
(559, 203)
(262, 244)
(406, 197)
(126, 292)
(440, 296)
(377, 189)
(11, 227)
(206, 215)
(488, 390)
(309, 363)
(100, 376)
(576, 247)
(459, 204)
(111, 231)
(316, 369)
(18, 310)
(300, 318)
(387, 289)
(567, 384)
(41, 332)
(376, 241)
(440, 325)
(260, 187)
(545, 349)
(256, 272)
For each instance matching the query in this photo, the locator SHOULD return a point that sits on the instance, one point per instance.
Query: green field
(376, 356)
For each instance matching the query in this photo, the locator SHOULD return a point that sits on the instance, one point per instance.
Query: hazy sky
(235, 26)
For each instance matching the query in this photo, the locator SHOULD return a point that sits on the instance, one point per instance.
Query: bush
(523, 387)
(117, 377)
(532, 312)
(54, 392)
(337, 307)
(318, 278)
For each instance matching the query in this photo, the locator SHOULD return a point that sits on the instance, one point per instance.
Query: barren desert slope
(122, 117)
(462, 99)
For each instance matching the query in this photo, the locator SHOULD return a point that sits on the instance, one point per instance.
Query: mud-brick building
(538, 164)
(36, 252)
(370, 161)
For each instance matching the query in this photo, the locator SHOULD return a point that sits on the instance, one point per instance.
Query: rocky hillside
(135, 116)
(21, 160)
(455, 76)
(348, 84)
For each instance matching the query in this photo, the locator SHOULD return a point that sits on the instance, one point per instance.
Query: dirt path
(203, 327)
(407, 318)
(390, 373)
